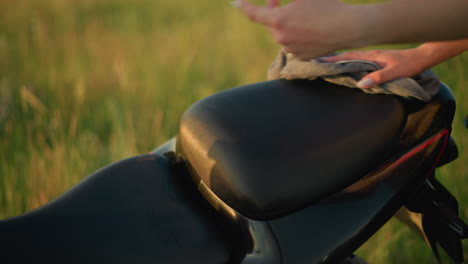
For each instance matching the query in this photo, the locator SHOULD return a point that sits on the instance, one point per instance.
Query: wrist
(422, 58)
(428, 55)
(434, 53)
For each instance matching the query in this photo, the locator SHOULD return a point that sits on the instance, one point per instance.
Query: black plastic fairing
(404, 176)
(271, 148)
(427, 119)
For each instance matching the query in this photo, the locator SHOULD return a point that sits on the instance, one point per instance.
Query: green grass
(85, 83)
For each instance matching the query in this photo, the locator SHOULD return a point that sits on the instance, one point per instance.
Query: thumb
(376, 78)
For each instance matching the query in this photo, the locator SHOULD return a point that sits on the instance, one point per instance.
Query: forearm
(407, 21)
(433, 53)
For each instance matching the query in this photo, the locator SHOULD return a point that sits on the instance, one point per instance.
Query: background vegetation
(86, 83)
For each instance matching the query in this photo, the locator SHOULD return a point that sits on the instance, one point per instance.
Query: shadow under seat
(271, 148)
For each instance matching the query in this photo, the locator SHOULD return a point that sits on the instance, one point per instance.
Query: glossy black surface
(427, 119)
(139, 210)
(332, 228)
(309, 235)
(270, 148)
(403, 175)
(335, 227)
(256, 242)
(439, 223)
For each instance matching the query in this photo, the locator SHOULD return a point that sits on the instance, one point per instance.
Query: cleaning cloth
(349, 72)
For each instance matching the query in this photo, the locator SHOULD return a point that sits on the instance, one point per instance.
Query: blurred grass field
(86, 83)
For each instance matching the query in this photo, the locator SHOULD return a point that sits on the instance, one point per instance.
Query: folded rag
(349, 72)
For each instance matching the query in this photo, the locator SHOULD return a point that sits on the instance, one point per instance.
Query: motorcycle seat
(139, 210)
(270, 148)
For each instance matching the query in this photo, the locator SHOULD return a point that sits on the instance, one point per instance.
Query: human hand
(308, 28)
(395, 64)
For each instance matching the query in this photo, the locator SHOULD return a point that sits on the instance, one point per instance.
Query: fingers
(366, 82)
(372, 79)
(262, 15)
(273, 3)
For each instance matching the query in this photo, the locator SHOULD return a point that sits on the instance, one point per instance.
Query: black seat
(270, 148)
(135, 211)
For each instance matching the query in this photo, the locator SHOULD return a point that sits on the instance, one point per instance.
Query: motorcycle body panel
(332, 229)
